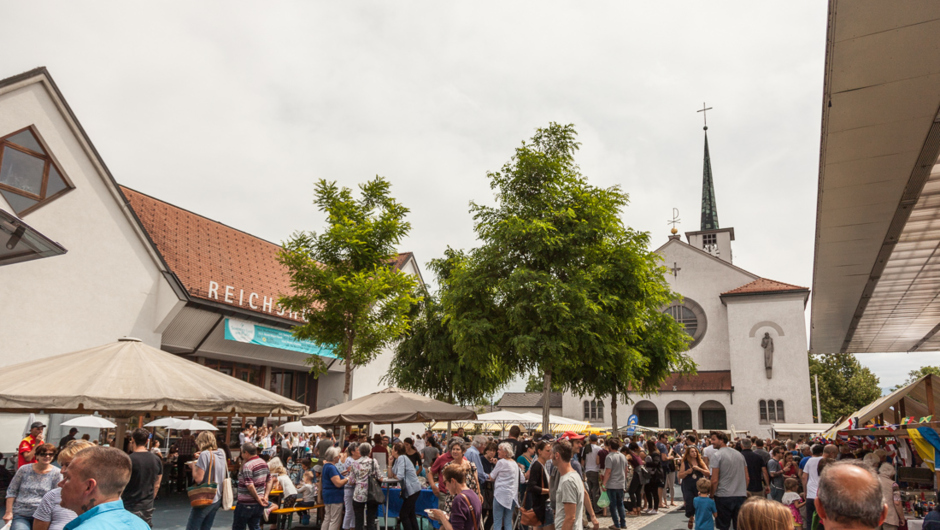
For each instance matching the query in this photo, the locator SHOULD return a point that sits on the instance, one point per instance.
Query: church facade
(749, 342)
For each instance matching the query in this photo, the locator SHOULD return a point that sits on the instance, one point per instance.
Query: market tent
(800, 428)
(391, 405)
(558, 424)
(916, 399)
(128, 378)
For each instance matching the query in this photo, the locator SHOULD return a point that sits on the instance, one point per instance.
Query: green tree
(343, 279)
(559, 285)
(914, 375)
(426, 360)
(535, 382)
(844, 385)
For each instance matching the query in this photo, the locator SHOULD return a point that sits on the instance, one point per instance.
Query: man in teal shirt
(91, 487)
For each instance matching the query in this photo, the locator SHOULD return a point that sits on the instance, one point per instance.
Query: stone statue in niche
(767, 343)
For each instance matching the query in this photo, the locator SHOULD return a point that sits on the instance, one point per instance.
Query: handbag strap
(211, 462)
(472, 513)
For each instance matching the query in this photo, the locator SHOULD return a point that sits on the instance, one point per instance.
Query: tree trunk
(546, 402)
(613, 414)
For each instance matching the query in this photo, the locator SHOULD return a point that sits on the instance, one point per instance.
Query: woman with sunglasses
(29, 486)
(50, 515)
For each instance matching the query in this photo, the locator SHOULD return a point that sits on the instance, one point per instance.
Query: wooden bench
(289, 512)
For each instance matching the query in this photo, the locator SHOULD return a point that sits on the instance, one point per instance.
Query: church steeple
(709, 207)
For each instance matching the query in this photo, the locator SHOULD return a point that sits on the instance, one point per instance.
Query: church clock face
(692, 318)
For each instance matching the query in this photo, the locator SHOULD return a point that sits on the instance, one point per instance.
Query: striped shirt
(255, 471)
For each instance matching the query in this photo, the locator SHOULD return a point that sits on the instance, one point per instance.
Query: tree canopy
(344, 280)
(426, 360)
(559, 285)
(914, 375)
(844, 385)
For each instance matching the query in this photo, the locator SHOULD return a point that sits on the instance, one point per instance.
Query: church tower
(710, 238)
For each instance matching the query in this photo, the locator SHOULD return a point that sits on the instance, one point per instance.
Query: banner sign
(250, 333)
(631, 424)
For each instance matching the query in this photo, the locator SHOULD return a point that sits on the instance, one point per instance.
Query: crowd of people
(481, 482)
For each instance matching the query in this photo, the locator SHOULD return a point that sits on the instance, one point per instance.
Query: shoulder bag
(228, 493)
(375, 493)
(204, 494)
(528, 517)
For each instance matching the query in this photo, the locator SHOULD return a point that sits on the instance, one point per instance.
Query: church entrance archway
(678, 416)
(647, 414)
(712, 416)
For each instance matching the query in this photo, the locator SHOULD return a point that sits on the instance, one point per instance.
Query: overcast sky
(234, 109)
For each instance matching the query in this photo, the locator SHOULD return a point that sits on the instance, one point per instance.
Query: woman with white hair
(891, 496)
(505, 477)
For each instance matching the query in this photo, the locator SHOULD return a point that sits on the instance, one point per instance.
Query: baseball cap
(37, 425)
(593, 437)
(571, 435)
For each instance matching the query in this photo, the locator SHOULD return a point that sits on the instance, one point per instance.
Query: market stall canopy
(801, 428)
(875, 272)
(298, 427)
(128, 378)
(91, 422)
(916, 399)
(391, 405)
(503, 418)
(558, 424)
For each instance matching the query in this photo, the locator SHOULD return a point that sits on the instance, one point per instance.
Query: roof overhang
(22, 242)
(876, 274)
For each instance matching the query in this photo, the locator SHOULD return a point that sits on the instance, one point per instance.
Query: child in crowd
(308, 491)
(793, 500)
(705, 509)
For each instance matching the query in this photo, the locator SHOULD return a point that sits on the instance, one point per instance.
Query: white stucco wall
(105, 286)
(727, 345)
(702, 278)
(782, 316)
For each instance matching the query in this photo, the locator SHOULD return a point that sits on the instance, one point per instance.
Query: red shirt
(26, 446)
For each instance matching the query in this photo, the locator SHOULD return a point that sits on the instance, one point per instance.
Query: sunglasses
(45, 454)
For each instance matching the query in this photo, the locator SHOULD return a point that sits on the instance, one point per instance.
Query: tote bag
(228, 494)
(203, 494)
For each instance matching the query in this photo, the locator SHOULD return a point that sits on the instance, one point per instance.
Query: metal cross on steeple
(704, 112)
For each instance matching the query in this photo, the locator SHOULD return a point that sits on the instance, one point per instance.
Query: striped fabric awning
(573, 427)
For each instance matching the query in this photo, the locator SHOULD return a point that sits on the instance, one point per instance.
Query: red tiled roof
(208, 257)
(714, 381)
(764, 285)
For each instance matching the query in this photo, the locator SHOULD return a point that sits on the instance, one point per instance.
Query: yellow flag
(924, 448)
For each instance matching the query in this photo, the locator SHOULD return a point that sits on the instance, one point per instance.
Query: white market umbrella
(163, 422)
(93, 422)
(29, 423)
(193, 425)
(299, 428)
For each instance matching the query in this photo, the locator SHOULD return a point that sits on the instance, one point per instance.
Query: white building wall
(701, 278)
(782, 316)
(106, 286)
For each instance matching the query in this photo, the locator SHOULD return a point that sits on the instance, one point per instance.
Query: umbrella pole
(119, 433)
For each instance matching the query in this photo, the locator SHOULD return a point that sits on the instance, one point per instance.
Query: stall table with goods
(902, 425)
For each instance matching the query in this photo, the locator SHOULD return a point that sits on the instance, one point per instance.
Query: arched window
(780, 416)
(763, 411)
(599, 410)
(771, 411)
(587, 410)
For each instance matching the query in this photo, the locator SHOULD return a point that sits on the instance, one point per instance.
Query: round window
(691, 316)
